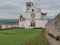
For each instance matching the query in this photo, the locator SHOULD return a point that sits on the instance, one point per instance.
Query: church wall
(38, 23)
(41, 23)
(27, 23)
(37, 15)
(35, 9)
(45, 17)
(5, 26)
(21, 24)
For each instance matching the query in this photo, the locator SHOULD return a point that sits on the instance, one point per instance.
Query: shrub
(38, 28)
(13, 28)
(51, 35)
(57, 38)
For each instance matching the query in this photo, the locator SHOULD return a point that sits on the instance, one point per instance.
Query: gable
(33, 8)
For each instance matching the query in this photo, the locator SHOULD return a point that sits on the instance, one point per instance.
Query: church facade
(34, 17)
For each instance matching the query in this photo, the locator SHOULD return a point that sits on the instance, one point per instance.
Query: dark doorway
(32, 23)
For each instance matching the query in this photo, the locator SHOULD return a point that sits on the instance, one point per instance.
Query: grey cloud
(13, 8)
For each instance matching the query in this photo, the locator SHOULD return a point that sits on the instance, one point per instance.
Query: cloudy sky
(11, 9)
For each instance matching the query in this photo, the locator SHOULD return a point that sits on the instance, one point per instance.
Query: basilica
(35, 18)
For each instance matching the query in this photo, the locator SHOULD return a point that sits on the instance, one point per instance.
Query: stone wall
(53, 26)
(5, 26)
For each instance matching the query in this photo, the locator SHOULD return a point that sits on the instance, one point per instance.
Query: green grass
(39, 40)
(18, 36)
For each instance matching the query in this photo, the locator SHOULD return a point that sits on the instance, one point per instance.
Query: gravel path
(51, 40)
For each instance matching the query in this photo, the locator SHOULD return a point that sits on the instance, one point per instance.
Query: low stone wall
(5, 26)
(51, 28)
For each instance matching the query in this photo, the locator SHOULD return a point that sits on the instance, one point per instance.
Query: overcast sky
(11, 9)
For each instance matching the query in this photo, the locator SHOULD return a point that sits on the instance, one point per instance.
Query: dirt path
(51, 40)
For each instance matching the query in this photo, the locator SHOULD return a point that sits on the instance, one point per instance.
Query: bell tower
(28, 5)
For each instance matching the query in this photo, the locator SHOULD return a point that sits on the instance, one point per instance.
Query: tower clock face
(33, 15)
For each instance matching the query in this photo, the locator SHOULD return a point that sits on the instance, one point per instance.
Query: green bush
(13, 28)
(57, 38)
(38, 28)
(51, 35)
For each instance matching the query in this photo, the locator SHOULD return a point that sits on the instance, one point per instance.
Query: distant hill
(49, 19)
(8, 21)
(13, 20)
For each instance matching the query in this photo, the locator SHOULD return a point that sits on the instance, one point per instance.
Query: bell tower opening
(29, 5)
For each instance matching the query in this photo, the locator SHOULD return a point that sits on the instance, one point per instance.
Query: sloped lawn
(19, 36)
(39, 40)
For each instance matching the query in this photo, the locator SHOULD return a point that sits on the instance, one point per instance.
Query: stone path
(51, 40)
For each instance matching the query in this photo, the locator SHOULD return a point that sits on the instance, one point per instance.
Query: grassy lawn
(19, 36)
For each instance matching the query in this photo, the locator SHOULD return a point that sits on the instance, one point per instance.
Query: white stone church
(34, 17)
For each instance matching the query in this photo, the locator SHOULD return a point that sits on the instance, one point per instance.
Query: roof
(43, 13)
